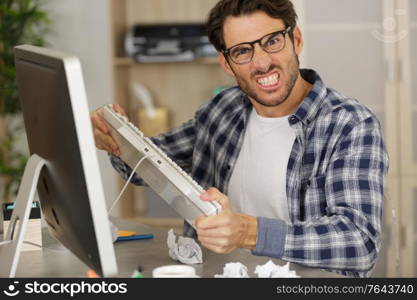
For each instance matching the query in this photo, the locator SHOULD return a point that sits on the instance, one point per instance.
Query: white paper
(234, 270)
(186, 250)
(271, 270)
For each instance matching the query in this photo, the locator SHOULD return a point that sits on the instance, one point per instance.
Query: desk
(149, 254)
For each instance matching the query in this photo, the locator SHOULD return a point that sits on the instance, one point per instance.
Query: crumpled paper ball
(186, 250)
(234, 270)
(271, 270)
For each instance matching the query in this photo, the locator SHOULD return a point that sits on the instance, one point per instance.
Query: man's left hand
(228, 230)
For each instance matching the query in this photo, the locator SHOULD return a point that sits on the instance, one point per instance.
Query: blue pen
(135, 237)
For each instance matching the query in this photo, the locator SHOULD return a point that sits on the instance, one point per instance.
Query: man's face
(269, 78)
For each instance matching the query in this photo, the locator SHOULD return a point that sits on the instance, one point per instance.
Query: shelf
(208, 60)
(127, 61)
(123, 61)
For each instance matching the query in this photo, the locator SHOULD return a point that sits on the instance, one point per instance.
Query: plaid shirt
(335, 175)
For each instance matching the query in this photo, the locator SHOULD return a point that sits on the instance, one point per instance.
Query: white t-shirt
(258, 183)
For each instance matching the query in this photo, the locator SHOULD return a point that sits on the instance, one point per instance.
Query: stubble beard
(289, 86)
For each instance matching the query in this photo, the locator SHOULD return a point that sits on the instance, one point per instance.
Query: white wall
(300, 9)
(82, 28)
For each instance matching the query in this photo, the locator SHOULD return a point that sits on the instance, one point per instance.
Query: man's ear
(298, 40)
(224, 64)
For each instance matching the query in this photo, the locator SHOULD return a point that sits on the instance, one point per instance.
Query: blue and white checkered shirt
(335, 175)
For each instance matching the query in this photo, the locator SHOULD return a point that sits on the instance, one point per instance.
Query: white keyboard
(161, 173)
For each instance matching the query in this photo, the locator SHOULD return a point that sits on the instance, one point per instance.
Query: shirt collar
(310, 106)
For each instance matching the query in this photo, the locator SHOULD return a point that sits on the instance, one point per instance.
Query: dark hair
(278, 9)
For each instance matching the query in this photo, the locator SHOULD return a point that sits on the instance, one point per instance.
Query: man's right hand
(103, 139)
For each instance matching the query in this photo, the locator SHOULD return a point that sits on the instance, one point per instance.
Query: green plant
(21, 21)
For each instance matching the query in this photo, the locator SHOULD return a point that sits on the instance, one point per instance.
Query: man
(297, 167)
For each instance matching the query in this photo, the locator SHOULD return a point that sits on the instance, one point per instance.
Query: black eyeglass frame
(226, 52)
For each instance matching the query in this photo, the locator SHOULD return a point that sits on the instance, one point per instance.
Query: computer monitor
(58, 128)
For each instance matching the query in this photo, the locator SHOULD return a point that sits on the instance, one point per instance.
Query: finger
(99, 123)
(119, 109)
(217, 248)
(198, 220)
(213, 194)
(106, 142)
(104, 147)
(211, 222)
(99, 144)
(214, 242)
(221, 232)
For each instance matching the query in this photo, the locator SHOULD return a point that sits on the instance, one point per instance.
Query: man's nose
(261, 59)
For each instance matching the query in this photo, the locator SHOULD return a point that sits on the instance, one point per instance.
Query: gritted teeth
(270, 80)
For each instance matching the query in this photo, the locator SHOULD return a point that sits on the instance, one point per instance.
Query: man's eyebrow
(251, 42)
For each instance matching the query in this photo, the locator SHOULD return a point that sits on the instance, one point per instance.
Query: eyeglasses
(271, 43)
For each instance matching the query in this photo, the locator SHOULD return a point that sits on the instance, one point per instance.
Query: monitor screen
(58, 128)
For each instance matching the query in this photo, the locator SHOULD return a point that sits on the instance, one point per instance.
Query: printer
(168, 43)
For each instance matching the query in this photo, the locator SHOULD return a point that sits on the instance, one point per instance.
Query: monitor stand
(11, 246)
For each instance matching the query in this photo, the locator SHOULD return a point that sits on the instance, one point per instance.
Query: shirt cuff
(271, 237)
